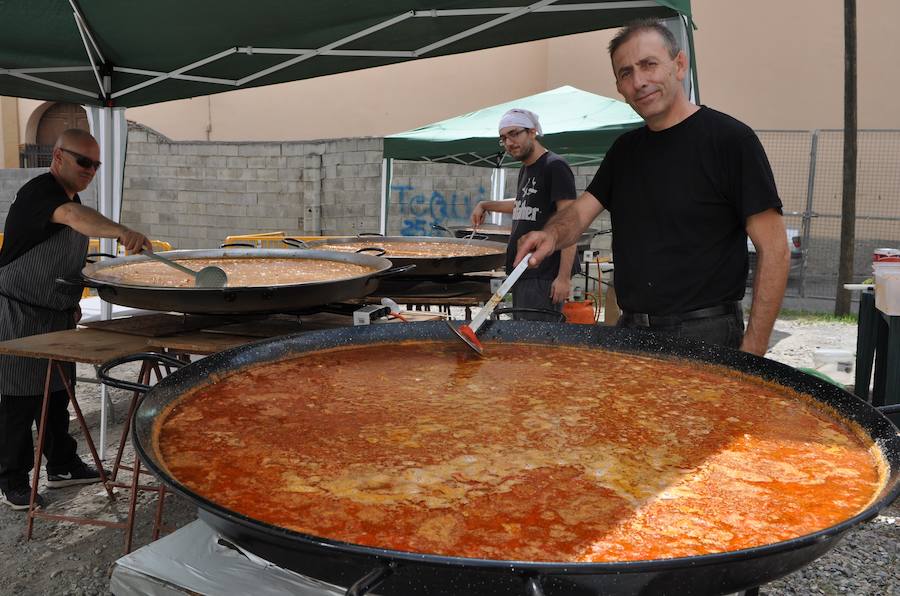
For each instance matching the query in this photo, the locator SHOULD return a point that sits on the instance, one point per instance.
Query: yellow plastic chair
(262, 240)
(270, 239)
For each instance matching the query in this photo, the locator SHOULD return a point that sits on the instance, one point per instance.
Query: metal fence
(35, 156)
(808, 169)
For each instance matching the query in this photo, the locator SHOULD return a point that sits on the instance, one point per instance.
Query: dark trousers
(17, 415)
(722, 330)
(532, 292)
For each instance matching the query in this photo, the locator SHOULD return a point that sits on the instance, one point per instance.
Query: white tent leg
(679, 28)
(387, 166)
(109, 127)
(498, 192)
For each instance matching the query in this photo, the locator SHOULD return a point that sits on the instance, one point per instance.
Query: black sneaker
(18, 498)
(81, 473)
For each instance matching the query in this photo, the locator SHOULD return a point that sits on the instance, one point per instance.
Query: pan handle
(395, 270)
(377, 251)
(80, 282)
(888, 410)
(371, 580)
(237, 245)
(441, 228)
(295, 243)
(369, 234)
(103, 370)
(87, 257)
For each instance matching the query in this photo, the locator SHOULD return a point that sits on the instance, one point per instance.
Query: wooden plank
(157, 324)
(91, 346)
(197, 342)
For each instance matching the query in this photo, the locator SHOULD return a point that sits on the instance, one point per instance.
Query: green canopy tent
(576, 124)
(113, 54)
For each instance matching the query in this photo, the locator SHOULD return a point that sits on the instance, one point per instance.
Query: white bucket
(887, 287)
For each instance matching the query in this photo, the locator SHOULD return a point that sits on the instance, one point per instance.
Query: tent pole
(102, 126)
(386, 174)
(682, 32)
(498, 191)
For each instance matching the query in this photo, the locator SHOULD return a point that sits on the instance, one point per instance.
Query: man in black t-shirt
(546, 185)
(46, 237)
(683, 193)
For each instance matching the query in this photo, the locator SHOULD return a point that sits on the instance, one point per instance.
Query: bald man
(46, 237)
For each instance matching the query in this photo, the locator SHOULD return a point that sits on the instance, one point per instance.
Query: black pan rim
(379, 265)
(360, 336)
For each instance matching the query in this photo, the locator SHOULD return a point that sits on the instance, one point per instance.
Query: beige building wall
(371, 102)
(771, 63)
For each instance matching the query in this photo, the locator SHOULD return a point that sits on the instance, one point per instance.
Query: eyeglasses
(510, 136)
(82, 160)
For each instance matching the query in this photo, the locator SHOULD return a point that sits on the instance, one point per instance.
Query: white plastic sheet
(191, 561)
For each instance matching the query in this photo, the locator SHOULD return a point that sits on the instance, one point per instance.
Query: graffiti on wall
(419, 212)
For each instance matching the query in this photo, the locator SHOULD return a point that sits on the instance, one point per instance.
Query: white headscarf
(520, 117)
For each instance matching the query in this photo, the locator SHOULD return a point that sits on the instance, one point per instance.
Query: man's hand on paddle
(541, 243)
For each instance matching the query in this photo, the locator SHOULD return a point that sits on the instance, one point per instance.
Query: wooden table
(91, 346)
(88, 346)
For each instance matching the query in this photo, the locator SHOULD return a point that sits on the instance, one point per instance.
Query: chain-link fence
(808, 169)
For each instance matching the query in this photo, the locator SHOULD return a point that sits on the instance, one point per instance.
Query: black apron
(31, 302)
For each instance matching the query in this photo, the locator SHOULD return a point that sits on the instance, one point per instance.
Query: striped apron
(31, 302)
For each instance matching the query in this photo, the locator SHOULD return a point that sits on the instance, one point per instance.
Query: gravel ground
(67, 559)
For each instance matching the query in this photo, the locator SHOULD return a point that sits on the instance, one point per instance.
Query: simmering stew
(535, 453)
(243, 272)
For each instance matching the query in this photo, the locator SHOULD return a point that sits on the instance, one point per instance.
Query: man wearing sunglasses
(545, 186)
(46, 237)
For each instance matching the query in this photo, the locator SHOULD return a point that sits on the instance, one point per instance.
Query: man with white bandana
(546, 185)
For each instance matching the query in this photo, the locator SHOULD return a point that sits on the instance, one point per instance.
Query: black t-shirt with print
(540, 185)
(679, 200)
(28, 221)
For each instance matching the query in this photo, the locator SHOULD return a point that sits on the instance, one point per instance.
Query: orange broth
(535, 453)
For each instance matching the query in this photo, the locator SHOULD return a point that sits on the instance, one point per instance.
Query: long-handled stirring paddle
(467, 333)
(208, 277)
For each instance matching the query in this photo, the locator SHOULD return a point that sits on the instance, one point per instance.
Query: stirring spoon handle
(488, 308)
(170, 263)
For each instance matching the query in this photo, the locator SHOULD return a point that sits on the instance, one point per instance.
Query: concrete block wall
(424, 194)
(194, 194)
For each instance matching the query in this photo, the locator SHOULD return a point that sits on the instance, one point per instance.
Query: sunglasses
(82, 160)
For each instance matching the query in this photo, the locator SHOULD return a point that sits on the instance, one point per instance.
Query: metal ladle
(208, 277)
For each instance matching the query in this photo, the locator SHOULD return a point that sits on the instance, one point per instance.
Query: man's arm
(91, 223)
(481, 209)
(767, 232)
(563, 229)
(559, 289)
